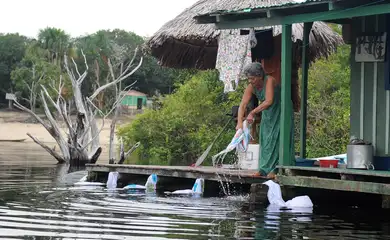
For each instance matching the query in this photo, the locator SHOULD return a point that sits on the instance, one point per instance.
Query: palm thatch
(182, 43)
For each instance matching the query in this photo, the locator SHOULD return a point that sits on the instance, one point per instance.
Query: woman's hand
(250, 118)
(239, 125)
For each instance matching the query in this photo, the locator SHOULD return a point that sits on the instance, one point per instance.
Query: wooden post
(286, 111)
(305, 72)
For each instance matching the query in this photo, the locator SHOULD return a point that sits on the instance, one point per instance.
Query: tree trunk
(112, 136)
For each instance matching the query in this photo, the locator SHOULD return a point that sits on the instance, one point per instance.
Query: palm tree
(56, 42)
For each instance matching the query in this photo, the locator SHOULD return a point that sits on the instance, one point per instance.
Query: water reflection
(39, 200)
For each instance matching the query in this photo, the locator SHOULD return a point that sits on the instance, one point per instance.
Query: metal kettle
(360, 156)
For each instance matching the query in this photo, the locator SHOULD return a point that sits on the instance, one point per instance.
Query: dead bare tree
(32, 87)
(80, 142)
(119, 96)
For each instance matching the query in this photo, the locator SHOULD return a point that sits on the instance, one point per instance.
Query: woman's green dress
(270, 131)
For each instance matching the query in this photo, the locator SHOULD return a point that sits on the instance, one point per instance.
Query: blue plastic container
(301, 162)
(382, 163)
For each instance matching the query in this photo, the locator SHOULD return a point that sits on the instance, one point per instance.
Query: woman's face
(255, 81)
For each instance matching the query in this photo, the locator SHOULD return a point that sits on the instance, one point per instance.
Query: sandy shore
(13, 127)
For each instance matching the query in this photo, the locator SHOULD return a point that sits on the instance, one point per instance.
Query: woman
(268, 91)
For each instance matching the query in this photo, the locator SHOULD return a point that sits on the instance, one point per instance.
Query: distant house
(134, 100)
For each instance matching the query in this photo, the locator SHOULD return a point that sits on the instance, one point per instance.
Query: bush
(329, 104)
(188, 120)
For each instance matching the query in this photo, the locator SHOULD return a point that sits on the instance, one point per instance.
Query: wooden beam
(336, 171)
(208, 173)
(334, 184)
(342, 4)
(248, 23)
(273, 14)
(358, 11)
(206, 19)
(305, 72)
(340, 21)
(333, 6)
(286, 111)
(387, 62)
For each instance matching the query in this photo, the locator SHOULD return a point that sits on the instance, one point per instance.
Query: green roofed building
(134, 100)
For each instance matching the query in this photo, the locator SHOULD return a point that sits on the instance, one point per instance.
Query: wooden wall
(370, 102)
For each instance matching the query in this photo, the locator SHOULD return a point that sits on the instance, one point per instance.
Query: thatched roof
(182, 43)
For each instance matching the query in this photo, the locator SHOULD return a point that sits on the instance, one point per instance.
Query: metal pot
(360, 156)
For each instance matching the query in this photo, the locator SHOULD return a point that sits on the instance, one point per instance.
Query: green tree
(56, 42)
(33, 71)
(119, 46)
(187, 122)
(12, 48)
(329, 104)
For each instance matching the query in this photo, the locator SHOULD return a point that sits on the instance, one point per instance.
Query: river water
(37, 201)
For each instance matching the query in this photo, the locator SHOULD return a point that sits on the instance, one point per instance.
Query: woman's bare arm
(246, 97)
(269, 96)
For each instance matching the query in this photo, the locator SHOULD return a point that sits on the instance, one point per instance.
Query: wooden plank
(380, 146)
(208, 173)
(355, 84)
(372, 173)
(248, 23)
(305, 72)
(286, 111)
(359, 11)
(333, 184)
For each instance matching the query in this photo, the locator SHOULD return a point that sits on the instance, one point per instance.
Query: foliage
(33, 71)
(55, 42)
(45, 54)
(329, 104)
(12, 48)
(119, 46)
(186, 124)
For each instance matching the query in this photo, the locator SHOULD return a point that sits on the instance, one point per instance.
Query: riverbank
(14, 125)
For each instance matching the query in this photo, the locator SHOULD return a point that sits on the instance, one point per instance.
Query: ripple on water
(36, 200)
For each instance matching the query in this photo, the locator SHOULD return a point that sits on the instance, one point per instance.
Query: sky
(81, 17)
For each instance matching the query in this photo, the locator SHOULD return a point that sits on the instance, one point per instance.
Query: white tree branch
(23, 108)
(115, 81)
(49, 150)
(55, 129)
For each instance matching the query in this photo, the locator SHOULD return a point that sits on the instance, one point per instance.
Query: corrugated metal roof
(261, 4)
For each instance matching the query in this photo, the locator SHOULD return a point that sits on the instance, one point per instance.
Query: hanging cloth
(233, 54)
(239, 142)
(252, 38)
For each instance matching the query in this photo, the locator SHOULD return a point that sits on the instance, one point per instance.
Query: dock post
(305, 71)
(286, 117)
(386, 201)
(258, 193)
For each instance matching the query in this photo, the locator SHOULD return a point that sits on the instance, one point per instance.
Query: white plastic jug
(151, 183)
(112, 180)
(198, 187)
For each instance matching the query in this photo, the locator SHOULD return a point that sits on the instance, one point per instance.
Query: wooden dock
(351, 180)
(365, 181)
(345, 184)
(207, 173)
